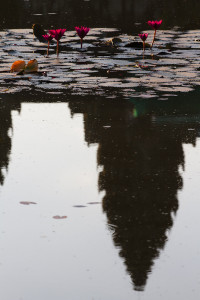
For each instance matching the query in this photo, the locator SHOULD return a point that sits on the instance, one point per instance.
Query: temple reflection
(140, 152)
(140, 159)
(6, 109)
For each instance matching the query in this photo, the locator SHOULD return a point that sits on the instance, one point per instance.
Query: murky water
(99, 163)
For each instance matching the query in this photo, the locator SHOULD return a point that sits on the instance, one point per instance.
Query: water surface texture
(101, 68)
(100, 154)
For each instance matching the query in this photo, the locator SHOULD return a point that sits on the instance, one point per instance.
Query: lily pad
(27, 202)
(59, 217)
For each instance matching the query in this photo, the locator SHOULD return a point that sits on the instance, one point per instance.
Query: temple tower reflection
(141, 161)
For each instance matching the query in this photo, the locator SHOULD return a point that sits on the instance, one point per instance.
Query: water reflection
(141, 180)
(140, 151)
(141, 158)
(5, 134)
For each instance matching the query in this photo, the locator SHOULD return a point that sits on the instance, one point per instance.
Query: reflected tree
(6, 135)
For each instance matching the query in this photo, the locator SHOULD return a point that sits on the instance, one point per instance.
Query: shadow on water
(140, 151)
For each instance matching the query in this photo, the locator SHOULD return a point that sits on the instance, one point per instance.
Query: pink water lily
(155, 25)
(82, 32)
(57, 34)
(48, 38)
(143, 37)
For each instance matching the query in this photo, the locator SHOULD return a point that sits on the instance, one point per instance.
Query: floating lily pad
(59, 217)
(171, 66)
(27, 202)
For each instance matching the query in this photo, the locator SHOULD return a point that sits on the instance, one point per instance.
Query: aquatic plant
(57, 34)
(82, 32)
(48, 38)
(154, 25)
(115, 41)
(38, 32)
(143, 37)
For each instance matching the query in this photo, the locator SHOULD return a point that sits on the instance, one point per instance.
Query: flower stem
(81, 43)
(143, 48)
(57, 51)
(153, 38)
(48, 49)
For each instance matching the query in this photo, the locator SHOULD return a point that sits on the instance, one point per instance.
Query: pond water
(99, 159)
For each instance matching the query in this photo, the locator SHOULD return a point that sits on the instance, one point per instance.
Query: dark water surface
(100, 154)
(128, 15)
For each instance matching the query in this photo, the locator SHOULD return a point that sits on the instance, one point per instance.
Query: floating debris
(20, 66)
(113, 41)
(32, 66)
